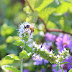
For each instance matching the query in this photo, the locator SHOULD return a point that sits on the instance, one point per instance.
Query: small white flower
(62, 57)
(22, 32)
(65, 49)
(51, 52)
(29, 54)
(58, 56)
(41, 33)
(57, 61)
(50, 55)
(38, 46)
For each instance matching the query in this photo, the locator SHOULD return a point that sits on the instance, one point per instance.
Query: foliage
(56, 14)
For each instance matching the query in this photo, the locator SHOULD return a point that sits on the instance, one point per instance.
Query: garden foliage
(41, 50)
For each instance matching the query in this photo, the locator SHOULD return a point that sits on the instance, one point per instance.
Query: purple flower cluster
(64, 42)
(43, 70)
(50, 37)
(65, 67)
(47, 46)
(25, 70)
(39, 60)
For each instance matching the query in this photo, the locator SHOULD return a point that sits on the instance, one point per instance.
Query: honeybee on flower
(29, 26)
(26, 31)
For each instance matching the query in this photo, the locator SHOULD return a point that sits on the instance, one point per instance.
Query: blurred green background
(57, 14)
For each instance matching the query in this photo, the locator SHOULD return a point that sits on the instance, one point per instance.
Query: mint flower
(66, 67)
(47, 46)
(50, 37)
(38, 60)
(25, 70)
(64, 42)
(25, 34)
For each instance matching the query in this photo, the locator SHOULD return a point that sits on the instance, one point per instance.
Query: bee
(30, 27)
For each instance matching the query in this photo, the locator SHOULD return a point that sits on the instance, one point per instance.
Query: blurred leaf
(32, 18)
(11, 60)
(64, 63)
(51, 25)
(3, 46)
(27, 48)
(48, 10)
(9, 57)
(26, 37)
(7, 2)
(20, 17)
(35, 3)
(63, 7)
(23, 54)
(2, 50)
(55, 19)
(6, 30)
(38, 38)
(5, 62)
(12, 57)
(43, 5)
(27, 9)
(13, 10)
(38, 3)
(9, 39)
(70, 70)
(18, 43)
(62, 69)
(57, 68)
(12, 69)
(32, 3)
(12, 49)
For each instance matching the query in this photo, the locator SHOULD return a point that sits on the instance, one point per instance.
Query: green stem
(62, 69)
(21, 65)
(21, 68)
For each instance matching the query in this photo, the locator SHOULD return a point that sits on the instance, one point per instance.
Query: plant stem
(21, 69)
(21, 65)
(62, 69)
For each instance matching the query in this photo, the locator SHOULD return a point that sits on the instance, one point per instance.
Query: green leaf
(27, 48)
(6, 30)
(32, 18)
(11, 57)
(16, 58)
(32, 3)
(9, 39)
(37, 3)
(12, 69)
(57, 68)
(11, 60)
(70, 70)
(47, 11)
(55, 20)
(18, 43)
(23, 54)
(63, 7)
(64, 63)
(43, 5)
(12, 49)
(62, 69)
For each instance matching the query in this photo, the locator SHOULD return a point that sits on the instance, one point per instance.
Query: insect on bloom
(26, 32)
(29, 26)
